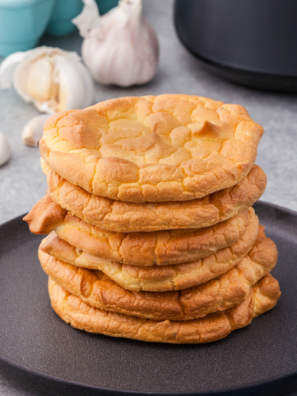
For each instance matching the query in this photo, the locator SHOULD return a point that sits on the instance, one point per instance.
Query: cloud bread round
(138, 248)
(130, 217)
(153, 148)
(262, 297)
(99, 291)
(165, 278)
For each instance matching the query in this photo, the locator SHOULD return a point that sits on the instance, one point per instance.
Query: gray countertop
(22, 183)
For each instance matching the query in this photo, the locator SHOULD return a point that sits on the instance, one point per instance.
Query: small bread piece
(154, 278)
(138, 248)
(153, 148)
(262, 297)
(99, 291)
(130, 217)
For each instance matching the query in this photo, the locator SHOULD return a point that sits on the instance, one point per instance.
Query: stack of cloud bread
(151, 231)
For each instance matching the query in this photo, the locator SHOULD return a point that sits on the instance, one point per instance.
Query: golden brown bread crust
(154, 278)
(99, 291)
(45, 216)
(262, 297)
(153, 148)
(130, 217)
(138, 248)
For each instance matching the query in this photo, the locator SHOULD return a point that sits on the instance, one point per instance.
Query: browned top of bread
(159, 278)
(262, 297)
(152, 148)
(130, 217)
(138, 248)
(98, 290)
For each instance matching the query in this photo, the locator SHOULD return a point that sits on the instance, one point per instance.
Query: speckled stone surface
(22, 182)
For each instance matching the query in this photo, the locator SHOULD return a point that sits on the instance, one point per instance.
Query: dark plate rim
(272, 381)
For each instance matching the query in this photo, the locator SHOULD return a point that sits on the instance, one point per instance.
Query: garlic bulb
(4, 149)
(33, 131)
(53, 79)
(120, 47)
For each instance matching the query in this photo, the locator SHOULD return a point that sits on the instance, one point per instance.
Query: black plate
(38, 350)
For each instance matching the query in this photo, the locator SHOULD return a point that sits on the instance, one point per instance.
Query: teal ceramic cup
(64, 11)
(22, 23)
(60, 23)
(106, 5)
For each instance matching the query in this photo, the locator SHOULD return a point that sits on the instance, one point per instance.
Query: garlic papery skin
(119, 47)
(7, 68)
(53, 79)
(5, 149)
(33, 131)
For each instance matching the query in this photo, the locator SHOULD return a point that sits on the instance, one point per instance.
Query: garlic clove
(5, 149)
(120, 47)
(71, 94)
(24, 67)
(39, 83)
(43, 78)
(33, 131)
